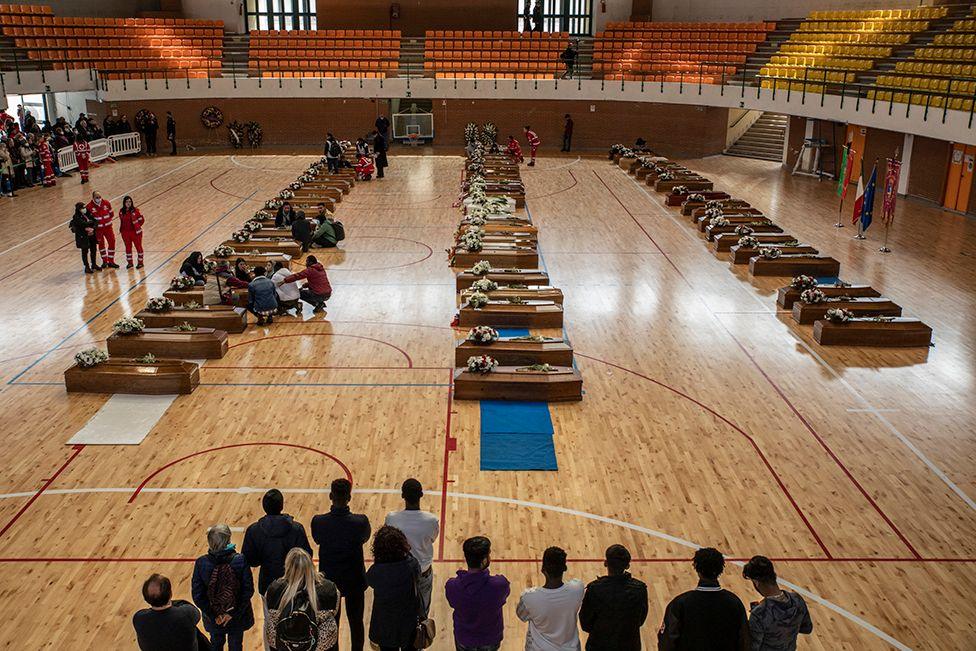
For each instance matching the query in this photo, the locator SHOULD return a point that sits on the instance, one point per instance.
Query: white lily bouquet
(482, 334)
(91, 357)
(286, 194)
(128, 325)
(160, 304)
(253, 226)
(839, 315)
(770, 253)
(223, 251)
(719, 221)
(679, 189)
(181, 283)
(748, 242)
(713, 212)
(481, 268)
(241, 236)
(484, 285)
(471, 242)
(262, 215)
(273, 204)
(482, 364)
(295, 185)
(477, 300)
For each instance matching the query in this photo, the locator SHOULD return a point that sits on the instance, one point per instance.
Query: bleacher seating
(833, 46)
(494, 54)
(370, 53)
(636, 51)
(116, 47)
(947, 66)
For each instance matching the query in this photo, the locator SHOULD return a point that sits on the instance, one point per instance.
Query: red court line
(229, 194)
(329, 334)
(450, 444)
(47, 484)
(738, 429)
(567, 188)
(145, 481)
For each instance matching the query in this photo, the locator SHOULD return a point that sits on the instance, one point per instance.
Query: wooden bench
(796, 265)
(725, 241)
(787, 296)
(897, 333)
(204, 343)
(267, 245)
(807, 313)
(534, 293)
(711, 232)
(505, 277)
(516, 352)
(163, 377)
(507, 258)
(531, 314)
(742, 255)
(510, 383)
(219, 317)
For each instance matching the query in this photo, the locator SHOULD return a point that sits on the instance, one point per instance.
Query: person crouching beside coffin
(262, 297)
(317, 289)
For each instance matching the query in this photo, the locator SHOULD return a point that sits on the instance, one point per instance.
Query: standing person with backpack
(333, 153)
(299, 618)
(222, 587)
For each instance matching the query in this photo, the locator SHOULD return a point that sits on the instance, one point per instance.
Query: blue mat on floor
(516, 436)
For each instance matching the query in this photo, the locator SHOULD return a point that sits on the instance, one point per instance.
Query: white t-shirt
(552, 616)
(286, 291)
(421, 529)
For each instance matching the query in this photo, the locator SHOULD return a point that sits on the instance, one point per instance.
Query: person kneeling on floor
(329, 233)
(262, 297)
(288, 294)
(317, 289)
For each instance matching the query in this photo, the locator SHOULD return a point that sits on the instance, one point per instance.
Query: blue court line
(128, 291)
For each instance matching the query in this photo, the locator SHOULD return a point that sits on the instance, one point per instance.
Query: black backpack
(223, 589)
(297, 628)
(335, 150)
(340, 231)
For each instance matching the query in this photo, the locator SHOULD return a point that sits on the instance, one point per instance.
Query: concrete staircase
(763, 140)
(411, 57)
(765, 51)
(235, 55)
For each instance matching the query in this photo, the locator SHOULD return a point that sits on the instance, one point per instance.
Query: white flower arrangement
(696, 197)
(713, 204)
(261, 215)
(719, 221)
(813, 296)
(286, 194)
(476, 221)
(253, 226)
(181, 283)
(484, 285)
(839, 315)
(743, 230)
(273, 204)
(295, 185)
(209, 266)
(91, 357)
(474, 229)
(223, 251)
(481, 268)
(148, 358)
(471, 242)
(770, 253)
(477, 300)
(748, 242)
(306, 178)
(128, 325)
(186, 326)
(665, 176)
(482, 334)
(482, 364)
(241, 236)
(160, 304)
(679, 189)
(713, 212)
(803, 282)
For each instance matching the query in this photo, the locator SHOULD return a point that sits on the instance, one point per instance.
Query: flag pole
(840, 214)
(860, 231)
(845, 180)
(884, 247)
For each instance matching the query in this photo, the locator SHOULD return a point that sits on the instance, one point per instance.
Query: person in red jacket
(47, 162)
(102, 211)
(83, 156)
(317, 289)
(534, 142)
(130, 228)
(514, 150)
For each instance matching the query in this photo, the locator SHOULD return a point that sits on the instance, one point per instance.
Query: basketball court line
(839, 610)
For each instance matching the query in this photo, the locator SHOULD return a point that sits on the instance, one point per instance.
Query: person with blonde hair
(300, 617)
(222, 588)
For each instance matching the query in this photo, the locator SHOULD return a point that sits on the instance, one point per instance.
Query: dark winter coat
(243, 617)
(613, 611)
(268, 541)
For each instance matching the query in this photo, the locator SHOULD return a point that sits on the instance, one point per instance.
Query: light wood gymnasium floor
(709, 417)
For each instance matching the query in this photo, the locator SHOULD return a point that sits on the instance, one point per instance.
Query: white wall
(617, 10)
(228, 11)
(752, 10)
(69, 105)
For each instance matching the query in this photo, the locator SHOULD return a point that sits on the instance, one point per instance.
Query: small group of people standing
(92, 225)
(514, 150)
(368, 160)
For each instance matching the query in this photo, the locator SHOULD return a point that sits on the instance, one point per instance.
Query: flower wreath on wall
(212, 117)
(254, 134)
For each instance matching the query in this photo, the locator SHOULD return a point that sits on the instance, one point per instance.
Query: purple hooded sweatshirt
(477, 598)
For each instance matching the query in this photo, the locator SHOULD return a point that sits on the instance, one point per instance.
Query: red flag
(859, 200)
(890, 191)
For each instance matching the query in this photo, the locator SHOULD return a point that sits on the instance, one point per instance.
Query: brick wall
(674, 130)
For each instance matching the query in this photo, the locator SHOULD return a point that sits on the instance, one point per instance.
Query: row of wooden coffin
(877, 321)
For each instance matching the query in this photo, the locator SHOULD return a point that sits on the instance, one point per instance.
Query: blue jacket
(262, 295)
(242, 617)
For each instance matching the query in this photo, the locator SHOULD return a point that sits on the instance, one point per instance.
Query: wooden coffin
(511, 352)
(628, 163)
(695, 184)
(807, 313)
(725, 241)
(531, 314)
(787, 296)
(681, 199)
(687, 207)
(314, 195)
(533, 293)
(163, 377)
(265, 260)
(711, 232)
(267, 245)
(522, 230)
(218, 317)
(521, 258)
(505, 277)
(742, 255)
(269, 232)
(792, 266)
(735, 220)
(732, 209)
(204, 343)
(510, 383)
(508, 239)
(193, 295)
(898, 333)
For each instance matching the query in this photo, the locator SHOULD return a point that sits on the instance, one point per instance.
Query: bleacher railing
(118, 145)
